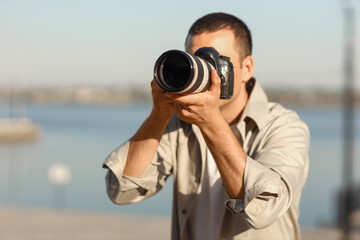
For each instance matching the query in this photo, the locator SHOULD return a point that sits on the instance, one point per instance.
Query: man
(239, 165)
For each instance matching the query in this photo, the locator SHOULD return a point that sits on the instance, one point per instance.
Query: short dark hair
(216, 21)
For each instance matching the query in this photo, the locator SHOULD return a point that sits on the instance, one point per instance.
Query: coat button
(184, 211)
(197, 180)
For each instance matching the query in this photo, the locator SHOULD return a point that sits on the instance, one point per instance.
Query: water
(81, 137)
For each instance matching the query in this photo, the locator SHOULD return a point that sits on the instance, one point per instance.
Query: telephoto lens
(182, 73)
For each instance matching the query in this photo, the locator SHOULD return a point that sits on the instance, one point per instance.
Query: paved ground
(40, 224)
(47, 224)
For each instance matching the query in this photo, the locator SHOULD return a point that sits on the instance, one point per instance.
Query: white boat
(18, 129)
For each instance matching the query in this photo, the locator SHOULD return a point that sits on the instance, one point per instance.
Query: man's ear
(248, 68)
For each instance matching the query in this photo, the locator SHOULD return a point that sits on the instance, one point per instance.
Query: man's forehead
(223, 41)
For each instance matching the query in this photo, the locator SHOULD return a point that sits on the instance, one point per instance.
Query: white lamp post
(59, 175)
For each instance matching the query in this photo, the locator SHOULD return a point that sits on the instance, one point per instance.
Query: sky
(105, 42)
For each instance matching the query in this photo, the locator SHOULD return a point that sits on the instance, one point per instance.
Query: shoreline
(116, 95)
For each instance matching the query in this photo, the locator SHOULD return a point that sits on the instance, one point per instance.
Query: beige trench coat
(276, 142)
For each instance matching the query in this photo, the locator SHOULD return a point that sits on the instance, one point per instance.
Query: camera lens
(180, 72)
(176, 70)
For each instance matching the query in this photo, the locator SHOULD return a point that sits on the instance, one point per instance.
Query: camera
(183, 73)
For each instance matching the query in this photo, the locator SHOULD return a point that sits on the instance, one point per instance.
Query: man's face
(225, 43)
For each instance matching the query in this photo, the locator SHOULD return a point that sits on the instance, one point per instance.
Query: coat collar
(257, 105)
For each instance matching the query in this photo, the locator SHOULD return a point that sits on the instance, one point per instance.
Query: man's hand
(199, 108)
(203, 109)
(163, 106)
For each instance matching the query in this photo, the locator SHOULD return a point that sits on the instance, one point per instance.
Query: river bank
(124, 95)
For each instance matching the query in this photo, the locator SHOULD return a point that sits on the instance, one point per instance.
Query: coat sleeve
(123, 189)
(275, 175)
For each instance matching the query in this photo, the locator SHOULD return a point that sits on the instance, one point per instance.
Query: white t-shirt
(206, 219)
(208, 212)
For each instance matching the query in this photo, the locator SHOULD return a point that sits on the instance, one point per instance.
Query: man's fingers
(189, 99)
(215, 82)
(154, 85)
(198, 98)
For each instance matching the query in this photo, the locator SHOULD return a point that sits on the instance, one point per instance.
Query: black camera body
(183, 73)
(224, 68)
